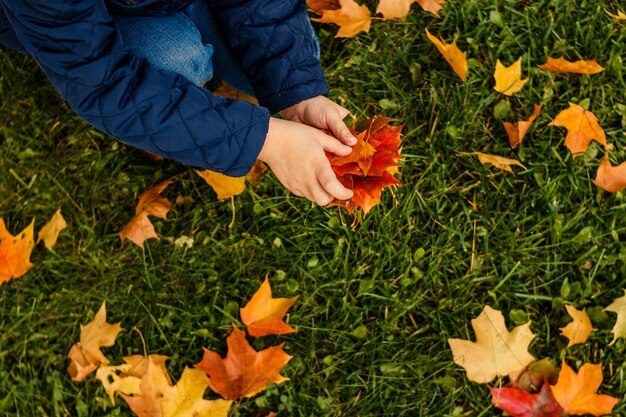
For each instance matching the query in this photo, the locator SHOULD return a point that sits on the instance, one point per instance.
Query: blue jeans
(188, 43)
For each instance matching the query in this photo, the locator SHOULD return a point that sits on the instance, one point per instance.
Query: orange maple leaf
(86, 355)
(611, 178)
(350, 17)
(517, 130)
(509, 79)
(223, 185)
(15, 252)
(578, 330)
(577, 67)
(582, 127)
(452, 54)
(576, 393)
(397, 9)
(50, 231)
(371, 165)
(228, 91)
(263, 315)
(244, 372)
(318, 6)
(140, 228)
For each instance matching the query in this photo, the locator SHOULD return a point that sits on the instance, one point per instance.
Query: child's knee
(194, 62)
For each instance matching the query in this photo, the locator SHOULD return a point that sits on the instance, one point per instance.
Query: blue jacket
(78, 47)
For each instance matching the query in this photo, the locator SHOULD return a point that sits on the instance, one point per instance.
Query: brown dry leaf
(228, 91)
(86, 355)
(611, 178)
(452, 54)
(582, 127)
(578, 330)
(499, 162)
(576, 393)
(351, 18)
(15, 252)
(318, 6)
(496, 352)
(517, 130)
(398, 9)
(576, 67)
(618, 306)
(508, 79)
(254, 176)
(619, 16)
(50, 231)
(263, 315)
(244, 372)
(140, 228)
(223, 185)
(152, 156)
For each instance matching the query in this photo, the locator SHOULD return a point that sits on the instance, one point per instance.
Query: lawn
(378, 301)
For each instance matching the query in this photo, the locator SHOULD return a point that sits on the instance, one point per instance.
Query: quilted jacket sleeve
(76, 44)
(274, 42)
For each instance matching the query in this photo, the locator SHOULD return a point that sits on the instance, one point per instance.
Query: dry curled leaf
(619, 16)
(499, 162)
(50, 231)
(576, 67)
(582, 127)
(15, 252)
(578, 330)
(509, 79)
(263, 314)
(452, 54)
(517, 130)
(350, 17)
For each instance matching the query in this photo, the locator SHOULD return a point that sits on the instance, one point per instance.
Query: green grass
(378, 302)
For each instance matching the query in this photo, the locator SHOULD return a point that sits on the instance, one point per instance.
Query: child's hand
(321, 113)
(295, 152)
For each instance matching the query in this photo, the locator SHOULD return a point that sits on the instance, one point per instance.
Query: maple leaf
(517, 130)
(499, 162)
(576, 393)
(50, 231)
(223, 185)
(350, 17)
(619, 16)
(577, 67)
(263, 315)
(113, 382)
(140, 228)
(496, 352)
(397, 9)
(519, 403)
(532, 378)
(228, 91)
(611, 178)
(508, 79)
(618, 306)
(15, 252)
(318, 6)
(244, 372)
(86, 355)
(582, 127)
(371, 165)
(578, 330)
(452, 54)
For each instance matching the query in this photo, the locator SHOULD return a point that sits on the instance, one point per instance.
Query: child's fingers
(341, 131)
(331, 184)
(332, 145)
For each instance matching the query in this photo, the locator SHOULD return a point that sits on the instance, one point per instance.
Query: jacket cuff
(254, 140)
(294, 94)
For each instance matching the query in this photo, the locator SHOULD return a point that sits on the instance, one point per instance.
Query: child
(134, 69)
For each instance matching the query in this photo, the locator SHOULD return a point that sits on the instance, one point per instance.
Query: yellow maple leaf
(496, 352)
(263, 314)
(582, 127)
(576, 67)
(578, 330)
(499, 162)
(618, 306)
(508, 79)
(452, 54)
(350, 17)
(50, 231)
(223, 185)
(576, 393)
(397, 9)
(228, 91)
(517, 130)
(15, 252)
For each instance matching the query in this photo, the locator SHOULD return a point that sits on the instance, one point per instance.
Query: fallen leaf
(619, 16)
(371, 165)
(152, 156)
(318, 6)
(452, 54)
(576, 393)
(517, 130)
(519, 403)
(86, 355)
(113, 383)
(398, 9)
(496, 352)
(582, 127)
(578, 330)
(244, 372)
(618, 306)
(223, 185)
(508, 79)
(350, 17)
(263, 315)
(499, 162)
(15, 252)
(254, 176)
(228, 91)
(577, 67)
(50, 231)
(532, 378)
(611, 178)
(153, 384)
(185, 399)
(140, 228)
